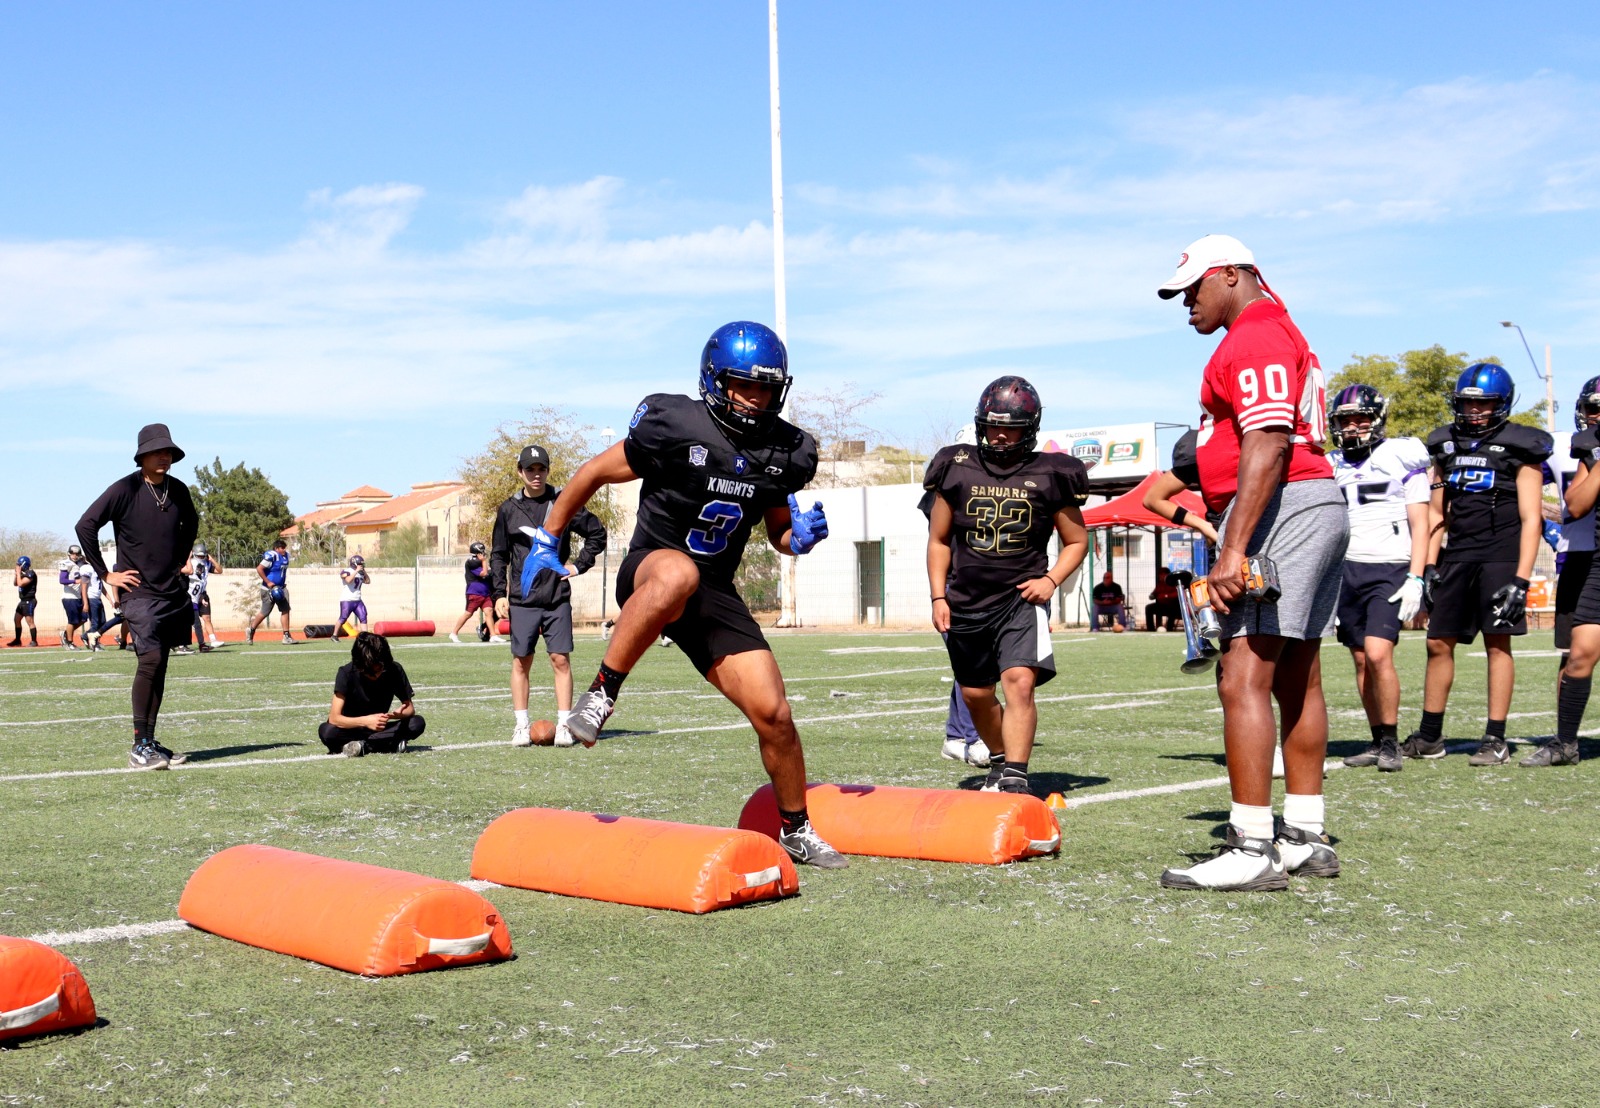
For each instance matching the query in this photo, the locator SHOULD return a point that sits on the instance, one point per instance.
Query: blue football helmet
(1587, 410)
(1358, 400)
(24, 562)
(1483, 381)
(747, 352)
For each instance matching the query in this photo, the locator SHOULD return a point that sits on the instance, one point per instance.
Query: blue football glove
(544, 554)
(806, 529)
(1552, 534)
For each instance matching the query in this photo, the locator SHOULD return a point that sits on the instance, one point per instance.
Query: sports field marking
(935, 704)
(1521, 653)
(171, 926)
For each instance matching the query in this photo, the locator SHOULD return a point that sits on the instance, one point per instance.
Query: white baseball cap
(1202, 255)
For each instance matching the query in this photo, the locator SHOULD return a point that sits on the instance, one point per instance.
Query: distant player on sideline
(27, 582)
(199, 569)
(990, 588)
(537, 603)
(1385, 486)
(273, 569)
(1261, 461)
(479, 597)
(93, 605)
(351, 578)
(154, 522)
(712, 468)
(74, 595)
(1577, 589)
(1487, 511)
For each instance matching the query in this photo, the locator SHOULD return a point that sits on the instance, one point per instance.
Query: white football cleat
(454, 637)
(1241, 864)
(975, 753)
(520, 736)
(564, 736)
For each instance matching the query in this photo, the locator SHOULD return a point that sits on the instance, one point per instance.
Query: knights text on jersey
(702, 494)
(1002, 519)
(1262, 376)
(1578, 534)
(1377, 490)
(1480, 493)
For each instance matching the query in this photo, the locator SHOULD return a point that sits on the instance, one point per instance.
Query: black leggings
(149, 683)
(386, 741)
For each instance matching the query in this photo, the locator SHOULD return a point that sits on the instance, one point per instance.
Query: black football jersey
(1480, 488)
(702, 492)
(1003, 519)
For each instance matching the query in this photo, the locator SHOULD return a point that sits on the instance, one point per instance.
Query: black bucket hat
(155, 436)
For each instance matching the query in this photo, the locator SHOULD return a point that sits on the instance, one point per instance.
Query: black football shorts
(984, 644)
(715, 621)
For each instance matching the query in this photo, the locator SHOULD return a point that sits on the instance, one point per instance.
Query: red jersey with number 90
(1263, 376)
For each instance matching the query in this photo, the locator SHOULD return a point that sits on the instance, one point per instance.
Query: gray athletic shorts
(1304, 530)
(527, 624)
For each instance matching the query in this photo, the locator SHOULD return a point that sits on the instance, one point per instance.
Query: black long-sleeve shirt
(152, 540)
(510, 546)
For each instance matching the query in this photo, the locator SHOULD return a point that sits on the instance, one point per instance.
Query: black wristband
(937, 598)
(1179, 514)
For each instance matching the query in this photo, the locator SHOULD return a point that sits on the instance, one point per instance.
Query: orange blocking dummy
(359, 918)
(40, 990)
(393, 628)
(646, 862)
(937, 825)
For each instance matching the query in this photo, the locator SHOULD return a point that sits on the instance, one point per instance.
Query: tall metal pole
(789, 615)
(1549, 393)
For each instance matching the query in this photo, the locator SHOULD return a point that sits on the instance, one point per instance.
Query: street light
(1546, 377)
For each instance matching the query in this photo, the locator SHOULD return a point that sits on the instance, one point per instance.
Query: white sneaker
(496, 638)
(1242, 864)
(215, 641)
(1277, 763)
(454, 637)
(589, 713)
(520, 736)
(975, 753)
(1306, 852)
(564, 736)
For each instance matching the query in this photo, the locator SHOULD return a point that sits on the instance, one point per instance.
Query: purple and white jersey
(1376, 492)
(1560, 470)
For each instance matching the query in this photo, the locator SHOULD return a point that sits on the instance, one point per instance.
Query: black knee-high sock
(149, 684)
(1570, 703)
(1432, 724)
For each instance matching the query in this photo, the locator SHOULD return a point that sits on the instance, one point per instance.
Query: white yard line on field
(936, 704)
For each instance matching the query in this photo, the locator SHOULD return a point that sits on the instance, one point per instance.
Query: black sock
(1432, 724)
(1570, 703)
(1377, 731)
(792, 821)
(1385, 731)
(1495, 729)
(611, 681)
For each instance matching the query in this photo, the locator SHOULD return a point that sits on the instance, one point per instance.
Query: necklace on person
(161, 497)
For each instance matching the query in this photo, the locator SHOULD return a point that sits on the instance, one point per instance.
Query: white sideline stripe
(166, 927)
(939, 706)
(172, 926)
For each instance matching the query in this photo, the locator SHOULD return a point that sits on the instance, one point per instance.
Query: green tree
(403, 546)
(757, 578)
(319, 545)
(43, 547)
(835, 419)
(492, 472)
(1418, 384)
(241, 512)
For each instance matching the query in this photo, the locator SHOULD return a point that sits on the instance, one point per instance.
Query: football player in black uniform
(712, 469)
(996, 506)
(1486, 507)
(1577, 591)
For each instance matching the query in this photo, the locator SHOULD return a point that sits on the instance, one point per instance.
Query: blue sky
(342, 242)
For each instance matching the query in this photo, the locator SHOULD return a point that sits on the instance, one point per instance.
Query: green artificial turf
(1452, 963)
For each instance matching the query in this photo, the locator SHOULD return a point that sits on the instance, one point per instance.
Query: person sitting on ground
(360, 720)
(1164, 608)
(1109, 601)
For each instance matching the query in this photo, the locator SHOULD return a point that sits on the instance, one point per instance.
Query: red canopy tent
(1128, 510)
